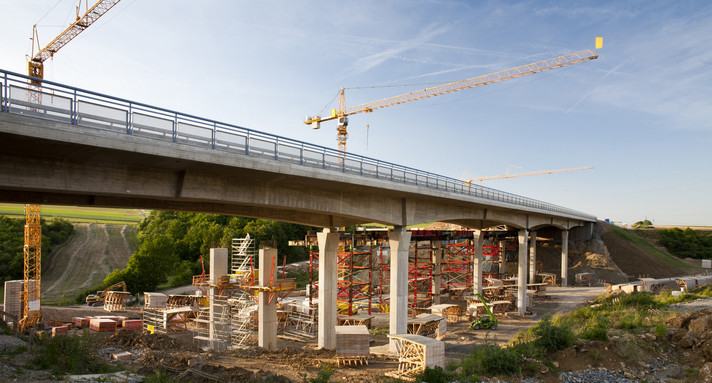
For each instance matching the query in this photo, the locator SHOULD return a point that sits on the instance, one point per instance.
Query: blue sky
(641, 114)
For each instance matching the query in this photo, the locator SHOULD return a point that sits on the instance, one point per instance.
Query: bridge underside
(71, 165)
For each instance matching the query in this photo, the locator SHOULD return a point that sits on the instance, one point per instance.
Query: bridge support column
(218, 268)
(328, 245)
(522, 277)
(267, 306)
(399, 241)
(478, 239)
(436, 259)
(564, 258)
(532, 256)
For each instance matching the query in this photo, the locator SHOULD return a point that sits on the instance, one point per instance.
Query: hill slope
(636, 257)
(85, 260)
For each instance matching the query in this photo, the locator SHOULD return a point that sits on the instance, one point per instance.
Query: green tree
(12, 239)
(170, 245)
(686, 243)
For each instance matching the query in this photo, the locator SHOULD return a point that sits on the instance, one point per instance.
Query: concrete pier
(532, 257)
(436, 259)
(478, 238)
(399, 241)
(564, 258)
(267, 304)
(522, 277)
(328, 258)
(218, 268)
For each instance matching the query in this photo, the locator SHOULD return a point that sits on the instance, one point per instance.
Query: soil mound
(633, 259)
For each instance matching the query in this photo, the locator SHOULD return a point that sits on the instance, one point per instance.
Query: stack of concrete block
(132, 324)
(59, 330)
(102, 325)
(352, 342)
(13, 298)
(80, 322)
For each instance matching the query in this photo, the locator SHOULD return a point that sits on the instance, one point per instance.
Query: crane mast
(342, 112)
(36, 62)
(31, 296)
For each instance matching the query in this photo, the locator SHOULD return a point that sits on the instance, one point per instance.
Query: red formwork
(457, 269)
(491, 260)
(355, 265)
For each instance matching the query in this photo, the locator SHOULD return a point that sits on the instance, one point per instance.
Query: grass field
(78, 214)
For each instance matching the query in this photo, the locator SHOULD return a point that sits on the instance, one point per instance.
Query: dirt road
(85, 260)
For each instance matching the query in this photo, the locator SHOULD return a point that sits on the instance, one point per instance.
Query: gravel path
(693, 305)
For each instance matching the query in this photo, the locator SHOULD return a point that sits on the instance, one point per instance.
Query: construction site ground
(294, 360)
(601, 256)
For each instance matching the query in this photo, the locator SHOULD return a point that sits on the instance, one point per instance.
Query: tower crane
(31, 314)
(35, 67)
(537, 173)
(342, 112)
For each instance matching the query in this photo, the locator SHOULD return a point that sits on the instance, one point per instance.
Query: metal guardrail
(62, 103)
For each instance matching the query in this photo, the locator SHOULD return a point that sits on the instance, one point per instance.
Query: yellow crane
(31, 314)
(35, 67)
(32, 268)
(342, 112)
(537, 173)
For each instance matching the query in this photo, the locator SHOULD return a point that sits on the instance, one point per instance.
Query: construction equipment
(33, 231)
(488, 321)
(342, 113)
(98, 298)
(35, 67)
(537, 173)
(31, 291)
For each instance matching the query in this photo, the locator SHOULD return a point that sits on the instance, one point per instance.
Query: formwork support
(399, 241)
(328, 259)
(522, 277)
(564, 258)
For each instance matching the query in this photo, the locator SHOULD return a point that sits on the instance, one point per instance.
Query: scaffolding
(355, 265)
(364, 266)
(235, 302)
(457, 267)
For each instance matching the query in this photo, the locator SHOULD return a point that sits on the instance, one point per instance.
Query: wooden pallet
(351, 360)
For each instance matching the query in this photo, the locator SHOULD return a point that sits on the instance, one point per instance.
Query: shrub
(491, 360)
(70, 354)
(637, 300)
(660, 331)
(595, 329)
(434, 375)
(551, 337)
(322, 377)
(158, 377)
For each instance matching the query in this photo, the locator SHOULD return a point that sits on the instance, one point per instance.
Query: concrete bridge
(64, 145)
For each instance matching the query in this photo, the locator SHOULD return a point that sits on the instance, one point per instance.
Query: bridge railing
(62, 103)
